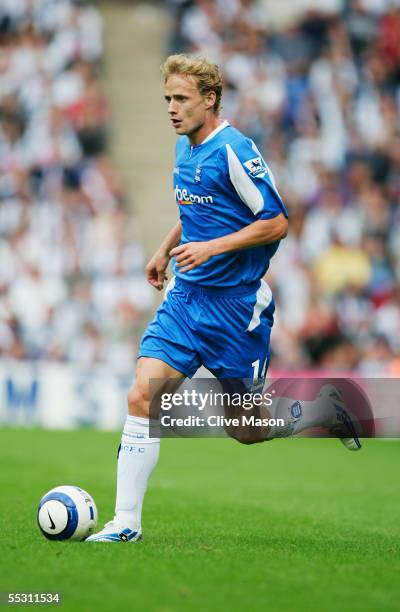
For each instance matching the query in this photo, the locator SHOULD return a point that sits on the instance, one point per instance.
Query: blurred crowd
(71, 276)
(320, 96)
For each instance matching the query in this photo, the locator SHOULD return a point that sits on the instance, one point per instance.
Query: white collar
(221, 126)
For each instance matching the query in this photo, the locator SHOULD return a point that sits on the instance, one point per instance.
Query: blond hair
(206, 74)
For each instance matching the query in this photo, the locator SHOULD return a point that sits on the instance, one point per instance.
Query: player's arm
(263, 231)
(260, 232)
(158, 264)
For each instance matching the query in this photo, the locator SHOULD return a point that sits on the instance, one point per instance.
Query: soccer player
(217, 312)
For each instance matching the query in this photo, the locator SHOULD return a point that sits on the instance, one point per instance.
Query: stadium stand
(72, 287)
(320, 95)
(318, 91)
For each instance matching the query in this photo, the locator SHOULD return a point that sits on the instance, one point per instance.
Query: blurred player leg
(328, 410)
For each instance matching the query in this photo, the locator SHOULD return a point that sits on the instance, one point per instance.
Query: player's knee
(244, 436)
(239, 436)
(138, 400)
(249, 440)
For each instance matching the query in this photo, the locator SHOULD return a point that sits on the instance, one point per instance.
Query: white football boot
(343, 424)
(112, 532)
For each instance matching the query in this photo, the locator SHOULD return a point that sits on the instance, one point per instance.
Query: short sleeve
(253, 180)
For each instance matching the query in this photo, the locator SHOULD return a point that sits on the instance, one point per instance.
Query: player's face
(187, 108)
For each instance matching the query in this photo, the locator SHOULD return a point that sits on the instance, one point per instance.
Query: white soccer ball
(67, 513)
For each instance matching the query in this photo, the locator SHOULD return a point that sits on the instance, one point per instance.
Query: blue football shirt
(221, 186)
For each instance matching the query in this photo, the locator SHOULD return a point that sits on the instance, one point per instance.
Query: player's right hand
(156, 270)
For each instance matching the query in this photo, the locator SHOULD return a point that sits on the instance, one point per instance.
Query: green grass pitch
(288, 525)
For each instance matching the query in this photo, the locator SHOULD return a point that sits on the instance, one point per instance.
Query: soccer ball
(67, 513)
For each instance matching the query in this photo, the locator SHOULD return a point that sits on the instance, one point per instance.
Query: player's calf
(247, 426)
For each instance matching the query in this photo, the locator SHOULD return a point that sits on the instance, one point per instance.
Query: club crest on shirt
(256, 167)
(197, 174)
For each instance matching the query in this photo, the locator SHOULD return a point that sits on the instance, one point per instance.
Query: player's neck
(211, 124)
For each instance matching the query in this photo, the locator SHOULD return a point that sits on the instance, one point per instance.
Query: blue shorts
(225, 329)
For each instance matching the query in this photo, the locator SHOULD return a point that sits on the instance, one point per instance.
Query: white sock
(137, 458)
(299, 416)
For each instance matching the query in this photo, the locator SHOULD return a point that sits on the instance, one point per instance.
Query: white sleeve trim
(244, 186)
(269, 171)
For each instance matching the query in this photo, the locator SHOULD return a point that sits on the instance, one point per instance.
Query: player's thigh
(153, 378)
(171, 336)
(233, 349)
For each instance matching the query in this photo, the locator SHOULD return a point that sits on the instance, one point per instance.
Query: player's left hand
(192, 254)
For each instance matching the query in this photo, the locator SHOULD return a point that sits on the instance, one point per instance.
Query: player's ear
(210, 99)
